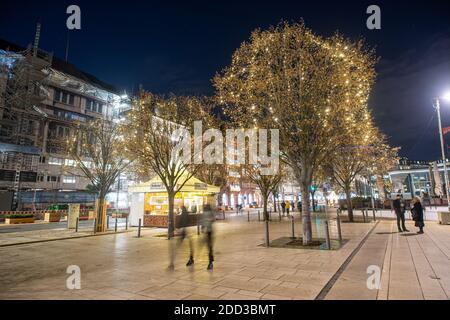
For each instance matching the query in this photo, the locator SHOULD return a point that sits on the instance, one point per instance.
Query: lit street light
(445, 97)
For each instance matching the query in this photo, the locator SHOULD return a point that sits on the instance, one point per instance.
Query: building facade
(42, 99)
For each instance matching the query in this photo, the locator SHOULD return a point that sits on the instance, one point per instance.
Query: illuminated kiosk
(149, 201)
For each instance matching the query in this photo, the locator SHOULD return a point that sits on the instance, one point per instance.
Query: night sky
(178, 47)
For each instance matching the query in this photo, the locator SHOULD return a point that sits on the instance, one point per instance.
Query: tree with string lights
(305, 85)
(364, 154)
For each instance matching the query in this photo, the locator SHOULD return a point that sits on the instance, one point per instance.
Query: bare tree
(97, 149)
(152, 139)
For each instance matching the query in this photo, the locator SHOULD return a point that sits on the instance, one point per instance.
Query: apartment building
(42, 98)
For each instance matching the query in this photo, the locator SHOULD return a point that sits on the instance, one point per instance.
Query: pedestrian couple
(207, 228)
(416, 213)
(286, 206)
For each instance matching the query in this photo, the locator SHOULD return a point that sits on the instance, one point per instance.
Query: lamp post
(441, 136)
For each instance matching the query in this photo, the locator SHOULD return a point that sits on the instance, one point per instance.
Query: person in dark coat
(417, 214)
(399, 208)
(283, 207)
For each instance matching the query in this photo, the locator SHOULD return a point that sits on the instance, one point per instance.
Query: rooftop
(65, 67)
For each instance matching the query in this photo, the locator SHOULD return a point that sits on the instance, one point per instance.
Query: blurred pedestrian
(283, 207)
(209, 218)
(184, 234)
(417, 214)
(288, 206)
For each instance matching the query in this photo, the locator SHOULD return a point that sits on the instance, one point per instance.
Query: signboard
(73, 214)
(200, 186)
(156, 185)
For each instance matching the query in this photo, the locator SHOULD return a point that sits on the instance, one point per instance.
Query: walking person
(399, 207)
(207, 227)
(417, 214)
(288, 206)
(283, 207)
(183, 224)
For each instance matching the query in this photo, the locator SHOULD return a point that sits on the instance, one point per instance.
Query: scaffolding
(22, 86)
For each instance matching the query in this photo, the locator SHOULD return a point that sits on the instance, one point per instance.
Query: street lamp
(445, 97)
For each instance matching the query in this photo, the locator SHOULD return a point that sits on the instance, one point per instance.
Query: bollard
(292, 227)
(198, 226)
(259, 218)
(338, 225)
(107, 222)
(327, 235)
(223, 214)
(270, 215)
(364, 215)
(76, 224)
(248, 215)
(279, 215)
(139, 227)
(115, 225)
(95, 225)
(374, 217)
(126, 222)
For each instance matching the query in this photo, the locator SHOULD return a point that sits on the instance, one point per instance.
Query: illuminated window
(56, 161)
(68, 179)
(70, 162)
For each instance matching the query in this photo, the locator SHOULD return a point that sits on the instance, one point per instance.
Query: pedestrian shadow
(386, 232)
(409, 234)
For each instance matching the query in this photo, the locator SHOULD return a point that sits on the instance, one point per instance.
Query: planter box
(52, 217)
(19, 220)
(444, 217)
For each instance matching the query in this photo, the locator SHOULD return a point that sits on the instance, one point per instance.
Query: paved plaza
(122, 266)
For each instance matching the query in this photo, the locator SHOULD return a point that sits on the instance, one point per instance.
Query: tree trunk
(266, 219)
(171, 216)
(349, 204)
(306, 215)
(101, 213)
